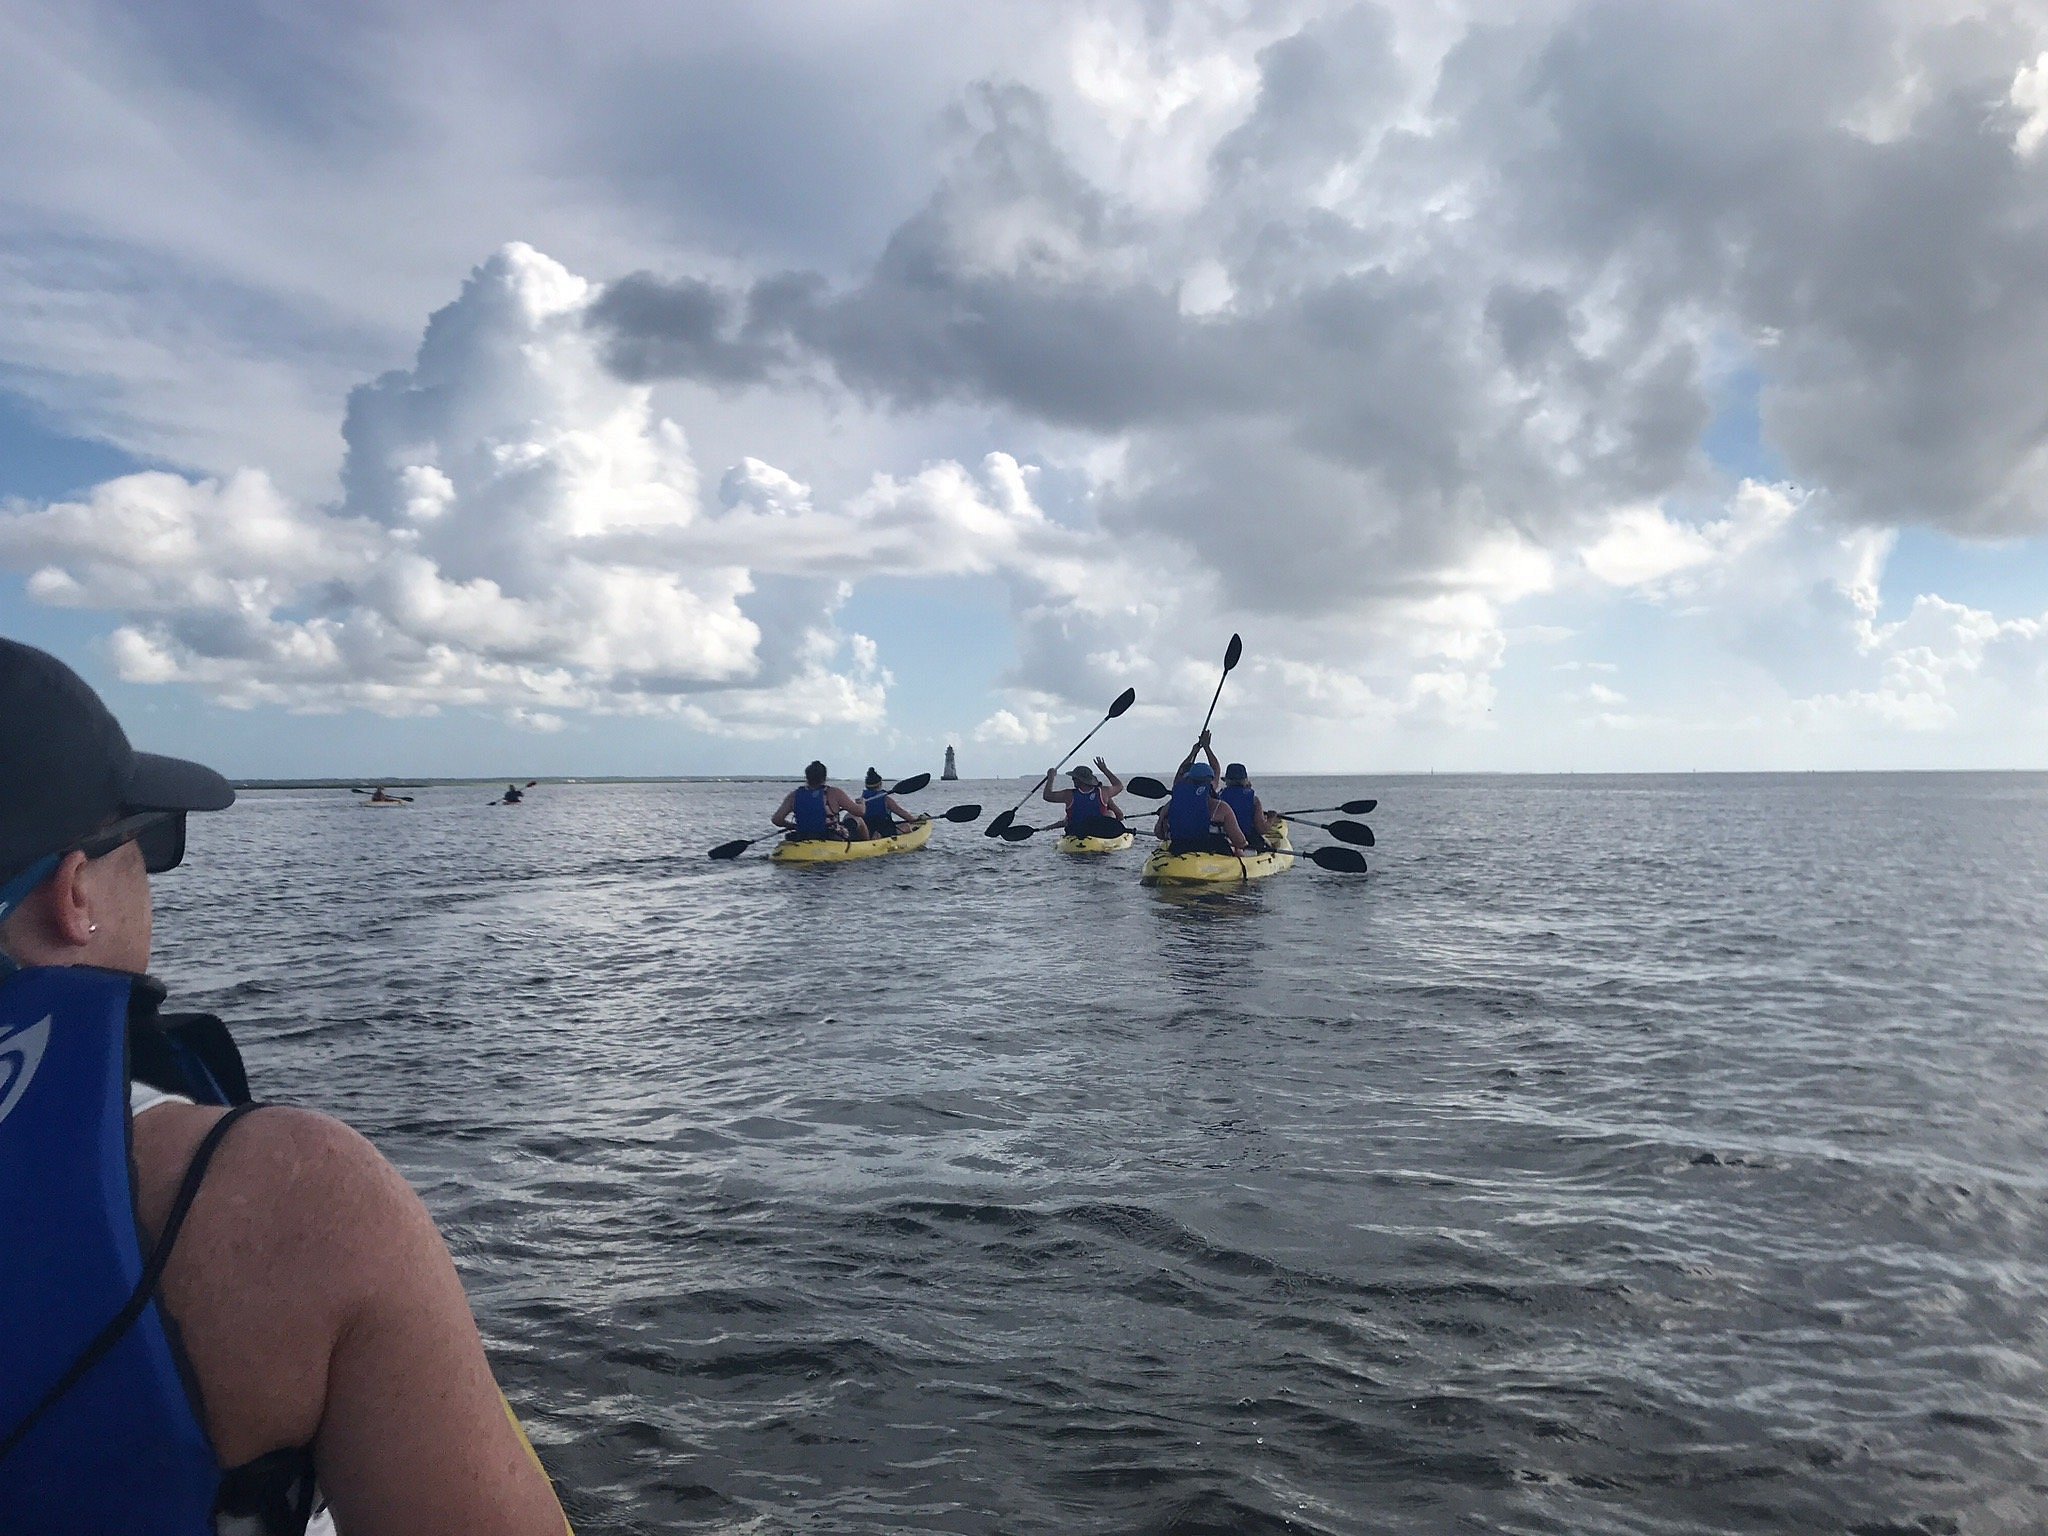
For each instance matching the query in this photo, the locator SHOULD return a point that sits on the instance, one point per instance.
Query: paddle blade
(912, 785)
(1147, 789)
(1102, 826)
(1017, 834)
(1345, 861)
(1359, 807)
(1235, 650)
(963, 813)
(1352, 832)
(1123, 702)
(733, 849)
(1000, 825)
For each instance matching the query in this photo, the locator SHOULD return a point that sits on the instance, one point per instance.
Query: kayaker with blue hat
(1195, 819)
(1237, 793)
(222, 1303)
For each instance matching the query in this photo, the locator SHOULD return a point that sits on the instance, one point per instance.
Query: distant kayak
(384, 805)
(831, 850)
(1075, 844)
(1221, 868)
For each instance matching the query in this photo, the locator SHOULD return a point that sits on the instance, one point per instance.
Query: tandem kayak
(830, 850)
(1073, 843)
(1221, 868)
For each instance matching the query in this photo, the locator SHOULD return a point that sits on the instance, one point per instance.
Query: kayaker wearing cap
(817, 809)
(1090, 800)
(881, 812)
(1243, 800)
(1195, 820)
(173, 1364)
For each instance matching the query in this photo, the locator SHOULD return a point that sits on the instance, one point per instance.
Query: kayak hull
(1164, 868)
(1072, 844)
(832, 851)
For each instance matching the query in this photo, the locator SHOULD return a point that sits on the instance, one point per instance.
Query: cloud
(475, 557)
(1361, 328)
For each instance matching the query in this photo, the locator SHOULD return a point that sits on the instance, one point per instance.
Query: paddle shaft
(1056, 767)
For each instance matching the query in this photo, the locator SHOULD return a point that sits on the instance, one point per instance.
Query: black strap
(145, 1288)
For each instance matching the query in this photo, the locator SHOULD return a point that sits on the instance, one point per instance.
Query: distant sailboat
(952, 771)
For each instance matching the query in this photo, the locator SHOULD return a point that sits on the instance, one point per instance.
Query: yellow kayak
(1221, 868)
(832, 851)
(1073, 844)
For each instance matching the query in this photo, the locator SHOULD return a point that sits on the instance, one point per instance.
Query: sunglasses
(159, 834)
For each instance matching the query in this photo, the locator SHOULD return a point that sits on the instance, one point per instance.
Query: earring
(92, 927)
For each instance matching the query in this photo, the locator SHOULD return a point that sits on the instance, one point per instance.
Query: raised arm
(1051, 795)
(1114, 784)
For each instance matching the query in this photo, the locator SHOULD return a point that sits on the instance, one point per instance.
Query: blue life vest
(1241, 799)
(1086, 806)
(812, 819)
(874, 810)
(123, 1448)
(1187, 814)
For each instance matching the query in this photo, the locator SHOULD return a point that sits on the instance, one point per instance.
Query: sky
(451, 388)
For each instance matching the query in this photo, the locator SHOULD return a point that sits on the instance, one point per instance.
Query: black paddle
(738, 846)
(1342, 861)
(1344, 831)
(406, 798)
(1231, 653)
(501, 800)
(1349, 808)
(1146, 789)
(1002, 823)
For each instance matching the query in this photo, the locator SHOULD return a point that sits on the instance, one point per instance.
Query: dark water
(1624, 1155)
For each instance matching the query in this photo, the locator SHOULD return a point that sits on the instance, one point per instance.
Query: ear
(67, 904)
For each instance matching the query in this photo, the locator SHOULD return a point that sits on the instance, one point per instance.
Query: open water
(1623, 1155)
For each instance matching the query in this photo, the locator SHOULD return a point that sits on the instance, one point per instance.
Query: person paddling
(1237, 793)
(1091, 799)
(1195, 820)
(382, 796)
(816, 809)
(513, 794)
(220, 1299)
(881, 812)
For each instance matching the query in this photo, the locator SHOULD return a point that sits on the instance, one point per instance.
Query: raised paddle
(1231, 653)
(738, 846)
(1002, 822)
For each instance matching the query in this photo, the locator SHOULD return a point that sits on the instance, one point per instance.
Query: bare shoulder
(298, 1227)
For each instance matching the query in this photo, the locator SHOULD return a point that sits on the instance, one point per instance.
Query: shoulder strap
(145, 1288)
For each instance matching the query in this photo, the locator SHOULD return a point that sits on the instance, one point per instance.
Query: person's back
(267, 1303)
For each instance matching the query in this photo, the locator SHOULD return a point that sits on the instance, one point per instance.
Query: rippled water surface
(1622, 1155)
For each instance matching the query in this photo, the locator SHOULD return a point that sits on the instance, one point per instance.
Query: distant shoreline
(1376, 775)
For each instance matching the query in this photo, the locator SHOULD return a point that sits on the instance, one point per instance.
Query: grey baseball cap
(66, 767)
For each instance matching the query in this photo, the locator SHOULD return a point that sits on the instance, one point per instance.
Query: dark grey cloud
(688, 329)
